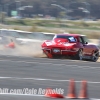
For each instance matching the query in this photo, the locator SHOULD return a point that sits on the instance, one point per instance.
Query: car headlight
(56, 50)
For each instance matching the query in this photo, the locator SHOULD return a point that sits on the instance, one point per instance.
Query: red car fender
(48, 54)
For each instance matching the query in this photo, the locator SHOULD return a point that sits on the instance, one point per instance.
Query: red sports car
(70, 45)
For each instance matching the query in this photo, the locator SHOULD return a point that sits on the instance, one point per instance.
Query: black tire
(79, 55)
(95, 56)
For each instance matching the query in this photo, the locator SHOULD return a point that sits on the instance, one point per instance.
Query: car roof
(71, 35)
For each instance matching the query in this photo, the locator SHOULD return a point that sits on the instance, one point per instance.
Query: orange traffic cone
(51, 94)
(71, 91)
(11, 45)
(83, 92)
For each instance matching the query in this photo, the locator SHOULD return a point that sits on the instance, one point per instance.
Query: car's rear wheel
(79, 55)
(95, 56)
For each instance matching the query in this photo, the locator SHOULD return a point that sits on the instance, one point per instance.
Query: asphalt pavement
(41, 73)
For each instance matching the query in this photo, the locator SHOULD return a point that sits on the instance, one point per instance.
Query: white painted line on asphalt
(42, 79)
(38, 79)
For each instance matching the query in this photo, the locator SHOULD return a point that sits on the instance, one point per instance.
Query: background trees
(44, 7)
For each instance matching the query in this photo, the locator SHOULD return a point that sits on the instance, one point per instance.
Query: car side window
(83, 40)
(80, 40)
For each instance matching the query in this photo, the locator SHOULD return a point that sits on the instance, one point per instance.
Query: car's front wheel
(95, 56)
(79, 55)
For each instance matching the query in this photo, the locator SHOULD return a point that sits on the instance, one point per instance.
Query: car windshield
(70, 38)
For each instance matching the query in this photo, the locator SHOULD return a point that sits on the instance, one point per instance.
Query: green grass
(55, 23)
(51, 25)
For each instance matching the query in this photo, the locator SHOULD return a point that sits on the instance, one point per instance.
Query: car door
(86, 48)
